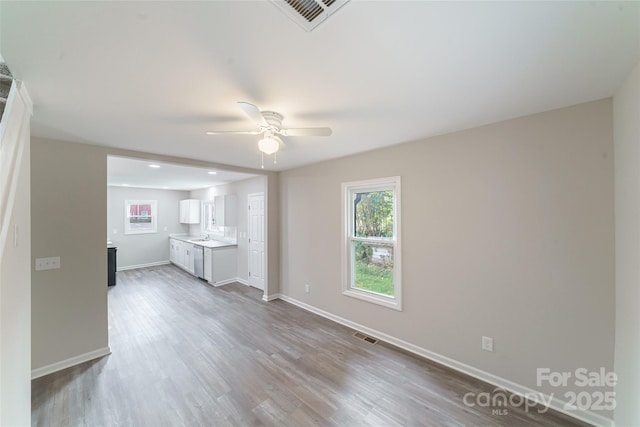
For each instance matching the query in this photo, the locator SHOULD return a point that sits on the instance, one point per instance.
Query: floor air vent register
(366, 338)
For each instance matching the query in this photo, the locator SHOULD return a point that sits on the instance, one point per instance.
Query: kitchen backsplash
(224, 234)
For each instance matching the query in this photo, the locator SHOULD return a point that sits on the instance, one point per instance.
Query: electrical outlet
(306, 288)
(487, 343)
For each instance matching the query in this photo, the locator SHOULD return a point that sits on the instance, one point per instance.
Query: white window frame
(348, 270)
(154, 216)
(203, 226)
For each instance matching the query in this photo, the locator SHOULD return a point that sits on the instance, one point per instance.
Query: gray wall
(626, 109)
(507, 232)
(274, 237)
(69, 216)
(144, 249)
(241, 189)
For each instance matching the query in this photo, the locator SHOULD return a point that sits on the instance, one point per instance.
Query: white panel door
(256, 240)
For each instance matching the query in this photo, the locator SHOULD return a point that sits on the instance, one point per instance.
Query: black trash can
(111, 264)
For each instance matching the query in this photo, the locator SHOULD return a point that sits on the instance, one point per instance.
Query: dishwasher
(198, 261)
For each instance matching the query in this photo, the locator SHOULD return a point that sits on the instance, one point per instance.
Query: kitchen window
(140, 216)
(208, 216)
(371, 246)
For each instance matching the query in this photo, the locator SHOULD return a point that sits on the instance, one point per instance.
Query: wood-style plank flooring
(188, 354)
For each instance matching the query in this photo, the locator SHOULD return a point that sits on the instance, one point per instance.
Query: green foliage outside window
(374, 214)
(374, 262)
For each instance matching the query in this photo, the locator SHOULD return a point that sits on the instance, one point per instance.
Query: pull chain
(262, 159)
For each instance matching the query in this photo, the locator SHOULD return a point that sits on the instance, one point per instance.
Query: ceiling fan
(270, 126)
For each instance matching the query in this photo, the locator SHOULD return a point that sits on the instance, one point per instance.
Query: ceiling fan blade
(254, 113)
(233, 132)
(306, 132)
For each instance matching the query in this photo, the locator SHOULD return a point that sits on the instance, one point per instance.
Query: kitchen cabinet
(173, 251)
(219, 261)
(207, 264)
(226, 214)
(223, 265)
(176, 252)
(190, 211)
(188, 258)
(181, 254)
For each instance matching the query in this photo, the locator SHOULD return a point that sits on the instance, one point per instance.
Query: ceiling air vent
(309, 13)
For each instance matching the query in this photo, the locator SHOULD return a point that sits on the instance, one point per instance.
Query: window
(208, 216)
(140, 216)
(371, 247)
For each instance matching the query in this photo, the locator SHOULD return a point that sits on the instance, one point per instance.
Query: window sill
(374, 299)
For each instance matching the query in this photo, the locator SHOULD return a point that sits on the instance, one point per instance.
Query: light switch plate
(50, 263)
(487, 343)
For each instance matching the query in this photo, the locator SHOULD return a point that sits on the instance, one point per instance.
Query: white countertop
(214, 244)
(206, 243)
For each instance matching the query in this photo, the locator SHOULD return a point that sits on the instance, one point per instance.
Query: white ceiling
(155, 75)
(168, 176)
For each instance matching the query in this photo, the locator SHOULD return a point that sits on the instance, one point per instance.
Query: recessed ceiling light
(165, 188)
(154, 166)
(125, 185)
(212, 173)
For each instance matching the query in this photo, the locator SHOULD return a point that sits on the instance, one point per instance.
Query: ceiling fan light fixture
(270, 124)
(268, 145)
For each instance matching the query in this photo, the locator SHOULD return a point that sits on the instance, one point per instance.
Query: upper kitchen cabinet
(190, 211)
(226, 214)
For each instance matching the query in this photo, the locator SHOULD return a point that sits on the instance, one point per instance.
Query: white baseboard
(225, 282)
(246, 283)
(67, 363)
(242, 281)
(518, 389)
(151, 264)
(271, 297)
(234, 280)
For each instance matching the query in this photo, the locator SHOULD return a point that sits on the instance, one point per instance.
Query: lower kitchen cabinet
(188, 258)
(173, 251)
(220, 263)
(181, 254)
(207, 264)
(223, 265)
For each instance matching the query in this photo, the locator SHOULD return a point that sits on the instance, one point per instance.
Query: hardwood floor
(188, 354)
